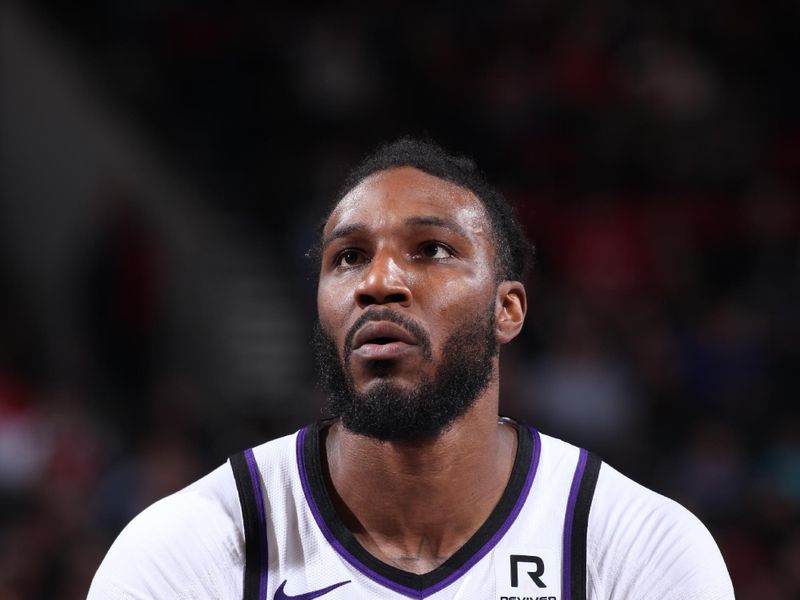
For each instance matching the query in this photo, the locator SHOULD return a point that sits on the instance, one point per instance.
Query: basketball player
(416, 489)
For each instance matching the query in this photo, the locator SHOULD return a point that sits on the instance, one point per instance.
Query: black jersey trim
(248, 485)
(403, 582)
(576, 525)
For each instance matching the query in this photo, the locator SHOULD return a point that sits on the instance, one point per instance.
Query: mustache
(386, 314)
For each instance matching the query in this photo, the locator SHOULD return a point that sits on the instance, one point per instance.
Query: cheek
(332, 307)
(456, 308)
(459, 300)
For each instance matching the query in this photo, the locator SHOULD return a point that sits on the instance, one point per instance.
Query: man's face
(406, 303)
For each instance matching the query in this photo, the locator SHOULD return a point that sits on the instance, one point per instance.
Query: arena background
(164, 165)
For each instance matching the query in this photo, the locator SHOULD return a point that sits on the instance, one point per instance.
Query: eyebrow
(343, 231)
(347, 230)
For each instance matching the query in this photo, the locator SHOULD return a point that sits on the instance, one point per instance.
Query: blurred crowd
(654, 157)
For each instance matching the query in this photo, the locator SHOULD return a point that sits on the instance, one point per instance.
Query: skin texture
(410, 242)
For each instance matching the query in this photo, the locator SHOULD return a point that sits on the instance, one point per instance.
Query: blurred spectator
(123, 287)
(582, 391)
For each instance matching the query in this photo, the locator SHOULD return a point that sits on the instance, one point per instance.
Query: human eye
(349, 257)
(435, 250)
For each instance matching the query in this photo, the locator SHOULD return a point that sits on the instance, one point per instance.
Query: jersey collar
(411, 584)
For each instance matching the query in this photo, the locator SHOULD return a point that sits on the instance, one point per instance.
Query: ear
(511, 305)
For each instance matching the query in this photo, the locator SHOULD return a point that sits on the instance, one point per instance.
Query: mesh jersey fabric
(192, 544)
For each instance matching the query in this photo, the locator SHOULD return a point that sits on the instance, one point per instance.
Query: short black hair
(514, 251)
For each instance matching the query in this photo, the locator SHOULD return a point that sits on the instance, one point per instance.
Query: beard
(389, 412)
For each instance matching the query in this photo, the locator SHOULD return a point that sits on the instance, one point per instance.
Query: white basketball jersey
(263, 527)
(533, 545)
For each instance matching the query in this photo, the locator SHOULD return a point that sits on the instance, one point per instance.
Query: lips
(382, 333)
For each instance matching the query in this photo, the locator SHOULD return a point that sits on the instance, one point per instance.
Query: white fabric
(191, 545)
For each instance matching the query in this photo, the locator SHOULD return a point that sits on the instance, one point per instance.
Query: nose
(384, 282)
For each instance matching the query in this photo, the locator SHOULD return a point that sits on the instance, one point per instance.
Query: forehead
(397, 194)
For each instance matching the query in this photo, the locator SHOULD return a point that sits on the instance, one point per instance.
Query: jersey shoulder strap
(576, 525)
(251, 498)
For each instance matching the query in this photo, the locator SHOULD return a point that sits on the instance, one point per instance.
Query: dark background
(164, 165)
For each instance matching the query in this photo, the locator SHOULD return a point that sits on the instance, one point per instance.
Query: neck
(413, 504)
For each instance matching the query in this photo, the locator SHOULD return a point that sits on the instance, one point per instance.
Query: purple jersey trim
(255, 480)
(566, 591)
(523, 496)
(388, 583)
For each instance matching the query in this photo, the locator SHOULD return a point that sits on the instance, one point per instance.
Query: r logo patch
(535, 574)
(527, 573)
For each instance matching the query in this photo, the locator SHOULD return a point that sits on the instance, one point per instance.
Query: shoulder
(178, 547)
(641, 544)
(187, 545)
